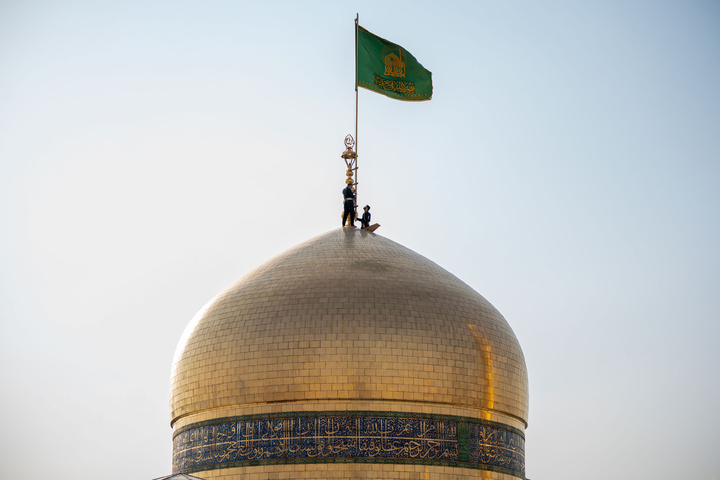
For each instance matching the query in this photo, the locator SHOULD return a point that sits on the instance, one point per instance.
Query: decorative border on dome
(347, 437)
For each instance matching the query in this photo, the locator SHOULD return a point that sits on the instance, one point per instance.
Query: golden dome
(348, 322)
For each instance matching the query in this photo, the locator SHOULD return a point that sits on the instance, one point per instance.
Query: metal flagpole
(357, 23)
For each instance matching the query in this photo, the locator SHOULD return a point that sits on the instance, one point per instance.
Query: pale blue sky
(567, 168)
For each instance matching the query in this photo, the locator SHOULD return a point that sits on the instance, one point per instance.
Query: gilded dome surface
(349, 320)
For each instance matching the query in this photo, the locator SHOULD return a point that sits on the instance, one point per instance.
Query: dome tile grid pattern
(349, 318)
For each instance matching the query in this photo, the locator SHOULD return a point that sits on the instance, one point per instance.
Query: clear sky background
(567, 168)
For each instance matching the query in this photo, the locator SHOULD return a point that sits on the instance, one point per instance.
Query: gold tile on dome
(350, 321)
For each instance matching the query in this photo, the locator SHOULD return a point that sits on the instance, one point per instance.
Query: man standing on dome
(348, 205)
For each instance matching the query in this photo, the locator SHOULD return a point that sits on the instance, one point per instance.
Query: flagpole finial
(350, 157)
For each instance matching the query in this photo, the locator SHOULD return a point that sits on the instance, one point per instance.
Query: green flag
(386, 68)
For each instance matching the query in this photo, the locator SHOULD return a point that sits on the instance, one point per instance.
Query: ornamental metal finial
(349, 154)
(350, 158)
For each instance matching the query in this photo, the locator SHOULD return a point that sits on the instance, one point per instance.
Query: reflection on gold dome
(349, 356)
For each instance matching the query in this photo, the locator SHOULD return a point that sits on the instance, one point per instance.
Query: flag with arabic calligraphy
(390, 70)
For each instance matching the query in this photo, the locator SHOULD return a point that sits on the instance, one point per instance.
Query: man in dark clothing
(348, 205)
(365, 219)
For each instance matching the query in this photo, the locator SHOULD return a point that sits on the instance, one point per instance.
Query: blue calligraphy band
(370, 437)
